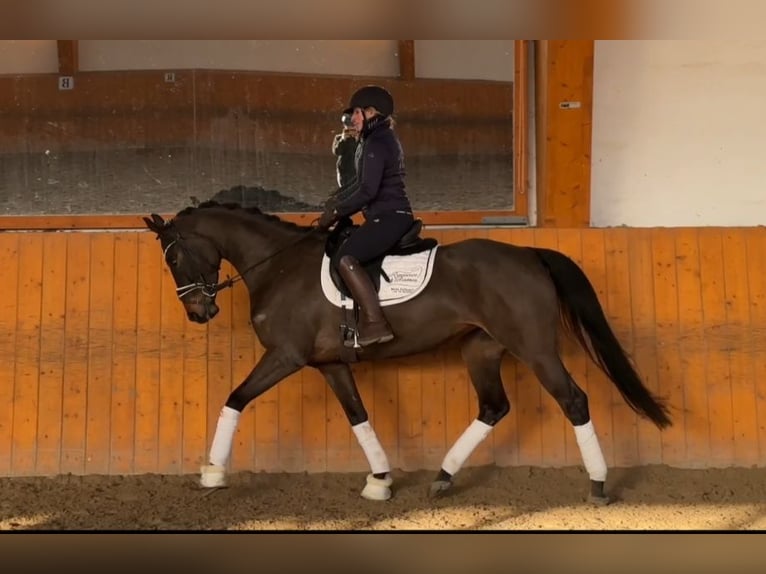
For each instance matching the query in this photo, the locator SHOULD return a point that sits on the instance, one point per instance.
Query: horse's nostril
(212, 310)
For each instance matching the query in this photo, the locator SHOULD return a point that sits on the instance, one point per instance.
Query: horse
(494, 298)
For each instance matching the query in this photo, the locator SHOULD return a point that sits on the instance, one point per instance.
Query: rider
(378, 191)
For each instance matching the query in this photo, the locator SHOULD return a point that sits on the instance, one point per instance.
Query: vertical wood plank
(528, 393)
(756, 262)
(669, 364)
(599, 386)
(644, 325)
(565, 74)
(172, 319)
(553, 424)
(148, 324)
(290, 423)
(618, 296)
(78, 280)
(575, 357)
(385, 398)
(51, 354)
(195, 366)
(718, 376)
(100, 339)
(457, 385)
(313, 425)
(410, 413)
(9, 263)
(691, 319)
(125, 301)
(26, 389)
(737, 293)
(432, 384)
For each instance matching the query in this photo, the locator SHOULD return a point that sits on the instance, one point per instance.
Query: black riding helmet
(372, 96)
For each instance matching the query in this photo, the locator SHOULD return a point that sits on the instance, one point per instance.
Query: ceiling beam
(69, 62)
(407, 59)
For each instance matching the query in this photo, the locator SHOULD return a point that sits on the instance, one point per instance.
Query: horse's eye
(174, 261)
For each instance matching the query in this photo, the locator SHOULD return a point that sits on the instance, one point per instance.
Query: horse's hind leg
(574, 403)
(483, 357)
(341, 381)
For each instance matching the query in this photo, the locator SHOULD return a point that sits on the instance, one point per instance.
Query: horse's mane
(248, 211)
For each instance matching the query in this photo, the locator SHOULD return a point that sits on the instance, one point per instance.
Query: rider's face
(359, 115)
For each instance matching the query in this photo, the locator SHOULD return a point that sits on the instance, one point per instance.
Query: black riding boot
(373, 327)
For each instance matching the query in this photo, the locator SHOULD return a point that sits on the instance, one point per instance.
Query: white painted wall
(465, 59)
(28, 57)
(354, 57)
(679, 133)
(461, 59)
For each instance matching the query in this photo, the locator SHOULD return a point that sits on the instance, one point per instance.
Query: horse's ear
(156, 223)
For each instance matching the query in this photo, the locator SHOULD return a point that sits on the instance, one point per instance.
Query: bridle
(211, 289)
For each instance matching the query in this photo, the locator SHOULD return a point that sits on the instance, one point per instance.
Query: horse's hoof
(212, 476)
(599, 500)
(377, 488)
(439, 488)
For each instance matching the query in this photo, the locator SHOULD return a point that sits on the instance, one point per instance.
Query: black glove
(328, 217)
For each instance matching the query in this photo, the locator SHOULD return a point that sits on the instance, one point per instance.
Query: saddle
(409, 244)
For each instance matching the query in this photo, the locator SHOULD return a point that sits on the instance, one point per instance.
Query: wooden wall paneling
(756, 262)
(575, 357)
(124, 374)
(669, 369)
(410, 414)
(525, 393)
(172, 354)
(600, 388)
(76, 364)
(195, 399)
(646, 322)
(9, 262)
(554, 426)
(100, 350)
(564, 115)
(52, 337)
(314, 420)
(149, 298)
(736, 268)
(618, 273)
(27, 376)
(717, 364)
(693, 347)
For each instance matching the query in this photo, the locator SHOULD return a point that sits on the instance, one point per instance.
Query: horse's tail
(583, 316)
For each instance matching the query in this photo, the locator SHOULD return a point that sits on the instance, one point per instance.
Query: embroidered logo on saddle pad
(408, 274)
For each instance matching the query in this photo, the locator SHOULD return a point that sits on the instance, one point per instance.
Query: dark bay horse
(494, 297)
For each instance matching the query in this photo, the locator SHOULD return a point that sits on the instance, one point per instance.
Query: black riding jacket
(379, 184)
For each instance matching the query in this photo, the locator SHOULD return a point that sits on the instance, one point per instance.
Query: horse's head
(194, 262)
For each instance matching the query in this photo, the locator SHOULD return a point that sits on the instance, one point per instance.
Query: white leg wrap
(374, 452)
(476, 432)
(213, 475)
(224, 434)
(590, 450)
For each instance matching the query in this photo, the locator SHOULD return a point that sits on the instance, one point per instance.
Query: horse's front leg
(274, 366)
(341, 381)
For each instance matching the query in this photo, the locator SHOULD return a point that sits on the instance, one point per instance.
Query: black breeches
(376, 236)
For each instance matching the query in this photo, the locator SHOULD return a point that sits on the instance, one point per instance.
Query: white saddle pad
(409, 275)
